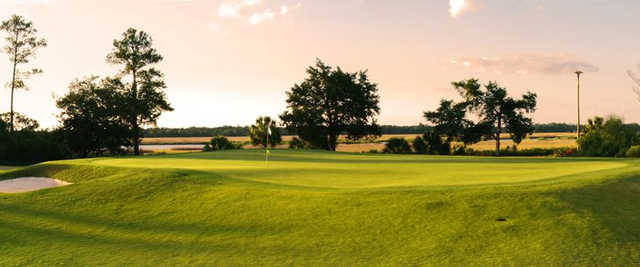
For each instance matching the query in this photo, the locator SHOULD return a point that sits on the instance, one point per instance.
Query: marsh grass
(538, 140)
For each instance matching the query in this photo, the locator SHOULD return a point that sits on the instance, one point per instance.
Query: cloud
(457, 6)
(234, 9)
(527, 64)
(257, 18)
(251, 11)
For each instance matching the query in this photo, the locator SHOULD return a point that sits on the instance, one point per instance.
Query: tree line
(235, 131)
(244, 131)
(98, 114)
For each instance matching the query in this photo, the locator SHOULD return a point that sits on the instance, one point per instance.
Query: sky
(230, 61)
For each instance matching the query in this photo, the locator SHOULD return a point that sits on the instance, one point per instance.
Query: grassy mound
(316, 208)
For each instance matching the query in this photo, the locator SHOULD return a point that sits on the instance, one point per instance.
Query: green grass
(2, 168)
(316, 208)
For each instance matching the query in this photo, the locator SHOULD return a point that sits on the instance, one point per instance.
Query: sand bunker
(28, 184)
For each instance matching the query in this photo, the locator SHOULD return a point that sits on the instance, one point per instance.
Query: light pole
(579, 73)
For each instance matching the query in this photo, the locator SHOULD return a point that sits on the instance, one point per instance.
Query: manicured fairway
(317, 208)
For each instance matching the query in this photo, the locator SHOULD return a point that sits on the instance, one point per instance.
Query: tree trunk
(136, 127)
(333, 140)
(13, 88)
(11, 125)
(498, 133)
(136, 140)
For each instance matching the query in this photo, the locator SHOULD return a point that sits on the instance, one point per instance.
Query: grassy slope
(325, 209)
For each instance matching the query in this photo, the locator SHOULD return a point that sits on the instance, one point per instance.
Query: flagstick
(266, 156)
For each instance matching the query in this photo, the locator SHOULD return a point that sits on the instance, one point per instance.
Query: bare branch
(635, 79)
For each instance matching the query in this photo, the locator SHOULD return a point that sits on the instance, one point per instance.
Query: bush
(607, 139)
(534, 152)
(633, 152)
(459, 150)
(26, 147)
(220, 143)
(397, 146)
(565, 152)
(207, 148)
(419, 146)
(297, 143)
(435, 144)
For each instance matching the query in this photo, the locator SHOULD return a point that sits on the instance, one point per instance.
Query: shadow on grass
(615, 205)
(152, 239)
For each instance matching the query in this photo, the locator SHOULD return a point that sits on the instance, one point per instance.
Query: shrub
(419, 146)
(565, 152)
(297, 143)
(435, 144)
(397, 146)
(207, 148)
(633, 152)
(535, 152)
(607, 139)
(459, 150)
(25, 147)
(220, 143)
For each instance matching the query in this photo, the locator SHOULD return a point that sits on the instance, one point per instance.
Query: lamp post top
(579, 73)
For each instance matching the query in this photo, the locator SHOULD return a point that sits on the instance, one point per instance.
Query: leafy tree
(90, 116)
(397, 146)
(435, 144)
(297, 143)
(610, 138)
(21, 122)
(145, 99)
(265, 127)
(498, 112)
(633, 152)
(331, 102)
(21, 48)
(419, 146)
(450, 120)
(594, 124)
(27, 146)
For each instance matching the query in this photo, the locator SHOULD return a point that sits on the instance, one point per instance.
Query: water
(170, 147)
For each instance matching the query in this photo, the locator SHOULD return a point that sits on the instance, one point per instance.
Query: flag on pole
(267, 152)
